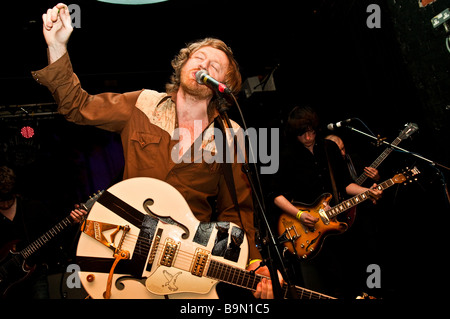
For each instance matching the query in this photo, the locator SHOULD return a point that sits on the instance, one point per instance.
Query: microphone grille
(199, 75)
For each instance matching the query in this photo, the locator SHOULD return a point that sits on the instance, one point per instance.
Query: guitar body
(13, 268)
(349, 216)
(162, 264)
(305, 242)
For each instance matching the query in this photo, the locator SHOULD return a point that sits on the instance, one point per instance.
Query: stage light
(424, 3)
(27, 131)
(132, 2)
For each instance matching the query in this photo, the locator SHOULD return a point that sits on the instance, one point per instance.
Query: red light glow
(27, 132)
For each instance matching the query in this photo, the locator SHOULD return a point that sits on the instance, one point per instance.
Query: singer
(147, 119)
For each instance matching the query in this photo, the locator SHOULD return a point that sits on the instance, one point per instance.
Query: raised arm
(57, 28)
(109, 111)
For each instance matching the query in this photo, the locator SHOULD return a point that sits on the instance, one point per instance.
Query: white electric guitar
(141, 240)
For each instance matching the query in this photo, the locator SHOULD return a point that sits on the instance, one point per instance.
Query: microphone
(203, 77)
(333, 126)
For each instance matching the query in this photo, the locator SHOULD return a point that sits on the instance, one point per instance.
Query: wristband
(299, 214)
(253, 261)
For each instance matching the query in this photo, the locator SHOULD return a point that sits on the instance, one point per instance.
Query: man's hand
(57, 28)
(375, 193)
(308, 220)
(372, 173)
(264, 288)
(77, 214)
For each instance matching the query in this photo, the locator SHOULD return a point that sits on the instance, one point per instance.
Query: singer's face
(206, 58)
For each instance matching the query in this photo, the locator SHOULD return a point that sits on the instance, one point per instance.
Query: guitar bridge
(155, 247)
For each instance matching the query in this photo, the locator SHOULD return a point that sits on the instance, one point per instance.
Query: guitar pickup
(199, 262)
(323, 215)
(169, 251)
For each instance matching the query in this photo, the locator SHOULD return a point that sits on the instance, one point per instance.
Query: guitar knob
(90, 278)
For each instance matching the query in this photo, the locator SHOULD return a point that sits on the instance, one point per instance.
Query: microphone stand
(270, 242)
(382, 141)
(433, 163)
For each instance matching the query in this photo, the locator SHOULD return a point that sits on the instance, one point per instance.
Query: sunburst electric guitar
(306, 242)
(141, 240)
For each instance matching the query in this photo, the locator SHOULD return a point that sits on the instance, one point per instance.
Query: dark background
(324, 55)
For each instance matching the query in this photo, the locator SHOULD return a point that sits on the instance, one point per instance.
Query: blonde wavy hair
(233, 78)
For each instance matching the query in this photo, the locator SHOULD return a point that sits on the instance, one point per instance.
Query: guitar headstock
(407, 174)
(91, 201)
(409, 130)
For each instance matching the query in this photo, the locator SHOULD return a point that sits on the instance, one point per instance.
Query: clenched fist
(57, 28)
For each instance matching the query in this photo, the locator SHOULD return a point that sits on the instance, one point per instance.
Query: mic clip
(380, 140)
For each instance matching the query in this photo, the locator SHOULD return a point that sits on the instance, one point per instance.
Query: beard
(192, 87)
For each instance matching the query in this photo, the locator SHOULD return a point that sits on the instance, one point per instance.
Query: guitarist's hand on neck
(375, 193)
(372, 173)
(264, 289)
(78, 214)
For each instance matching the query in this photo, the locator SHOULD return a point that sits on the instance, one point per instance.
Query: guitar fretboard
(233, 275)
(355, 200)
(41, 241)
(249, 280)
(362, 178)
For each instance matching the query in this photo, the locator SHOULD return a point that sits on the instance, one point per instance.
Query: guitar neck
(249, 280)
(362, 178)
(41, 241)
(355, 200)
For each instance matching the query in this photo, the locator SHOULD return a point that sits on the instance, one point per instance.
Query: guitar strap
(146, 223)
(330, 169)
(227, 170)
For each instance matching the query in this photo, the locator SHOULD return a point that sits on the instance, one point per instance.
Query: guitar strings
(184, 259)
(222, 271)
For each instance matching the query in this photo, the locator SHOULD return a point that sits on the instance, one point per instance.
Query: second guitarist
(309, 167)
(22, 221)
